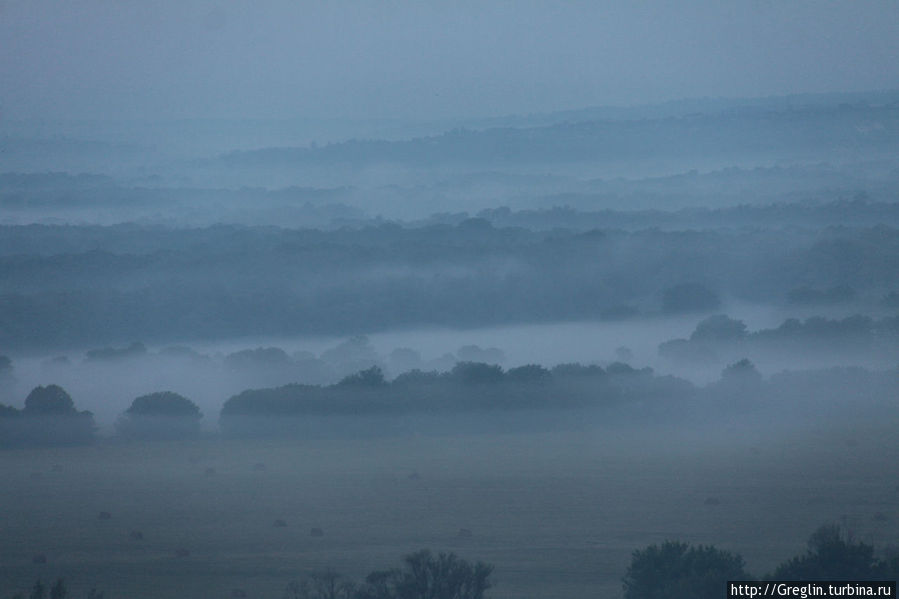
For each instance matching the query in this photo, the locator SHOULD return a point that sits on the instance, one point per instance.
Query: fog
(304, 299)
(207, 59)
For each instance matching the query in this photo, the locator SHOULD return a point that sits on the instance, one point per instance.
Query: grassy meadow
(557, 514)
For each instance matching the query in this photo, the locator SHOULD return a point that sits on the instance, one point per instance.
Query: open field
(557, 514)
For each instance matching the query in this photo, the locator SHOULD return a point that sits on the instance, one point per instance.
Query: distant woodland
(65, 285)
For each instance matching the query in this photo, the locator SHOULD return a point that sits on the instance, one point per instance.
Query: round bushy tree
(51, 399)
(164, 403)
(164, 414)
(50, 418)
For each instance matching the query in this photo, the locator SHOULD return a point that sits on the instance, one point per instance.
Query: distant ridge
(783, 128)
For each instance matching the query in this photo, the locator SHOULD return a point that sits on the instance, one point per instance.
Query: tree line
(471, 393)
(670, 570)
(82, 286)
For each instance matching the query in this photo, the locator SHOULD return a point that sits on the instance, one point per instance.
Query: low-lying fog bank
(106, 380)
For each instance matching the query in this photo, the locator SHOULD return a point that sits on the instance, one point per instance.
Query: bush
(443, 576)
(676, 570)
(326, 584)
(164, 403)
(51, 399)
(473, 373)
(371, 378)
(743, 371)
(49, 418)
(162, 415)
(719, 328)
(834, 556)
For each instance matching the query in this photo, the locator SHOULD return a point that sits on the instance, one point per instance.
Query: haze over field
(289, 291)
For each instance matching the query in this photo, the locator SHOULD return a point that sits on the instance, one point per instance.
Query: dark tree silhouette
(326, 584)
(529, 373)
(676, 570)
(425, 575)
(51, 399)
(832, 555)
(371, 378)
(49, 418)
(476, 372)
(160, 415)
(719, 328)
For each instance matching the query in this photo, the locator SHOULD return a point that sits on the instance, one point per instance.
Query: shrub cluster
(674, 570)
(48, 418)
(162, 415)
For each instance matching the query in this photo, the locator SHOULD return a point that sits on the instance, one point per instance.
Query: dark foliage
(676, 570)
(164, 403)
(48, 418)
(326, 584)
(425, 575)
(48, 400)
(719, 328)
(371, 378)
(473, 373)
(720, 335)
(833, 555)
(743, 374)
(529, 374)
(161, 415)
(470, 387)
(75, 286)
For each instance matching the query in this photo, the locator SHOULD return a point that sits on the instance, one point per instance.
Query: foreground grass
(557, 514)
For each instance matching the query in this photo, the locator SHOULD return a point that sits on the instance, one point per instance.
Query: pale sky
(150, 59)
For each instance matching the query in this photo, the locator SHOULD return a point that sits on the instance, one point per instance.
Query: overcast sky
(426, 59)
